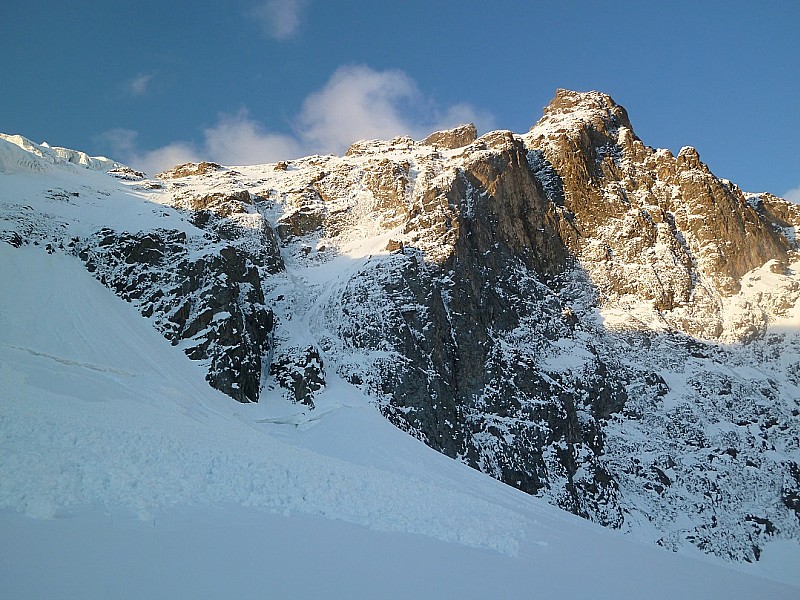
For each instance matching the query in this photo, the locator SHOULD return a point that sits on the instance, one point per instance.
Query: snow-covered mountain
(604, 326)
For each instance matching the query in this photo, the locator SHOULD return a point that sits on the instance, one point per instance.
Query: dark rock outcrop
(456, 380)
(299, 223)
(212, 304)
(300, 372)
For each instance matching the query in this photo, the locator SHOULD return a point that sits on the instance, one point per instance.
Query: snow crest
(19, 154)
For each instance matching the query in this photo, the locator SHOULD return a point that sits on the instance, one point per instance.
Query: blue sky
(242, 81)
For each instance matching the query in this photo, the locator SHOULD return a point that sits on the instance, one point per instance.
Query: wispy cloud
(360, 103)
(280, 19)
(356, 103)
(137, 86)
(237, 139)
(792, 195)
(123, 145)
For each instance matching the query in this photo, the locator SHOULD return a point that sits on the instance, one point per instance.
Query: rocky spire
(590, 110)
(650, 224)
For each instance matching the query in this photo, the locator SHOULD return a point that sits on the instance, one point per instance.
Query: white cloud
(238, 140)
(279, 19)
(360, 103)
(792, 195)
(163, 158)
(124, 148)
(120, 140)
(462, 113)
(234, 140)
(356, 103)
(139, 84)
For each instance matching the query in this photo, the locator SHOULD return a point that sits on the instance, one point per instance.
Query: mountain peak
(570, 109)
(567, 99)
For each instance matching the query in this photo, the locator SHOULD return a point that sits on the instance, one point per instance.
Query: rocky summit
(603, 324)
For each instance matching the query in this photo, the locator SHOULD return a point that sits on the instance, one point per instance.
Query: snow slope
(124, 475)
(19, 154)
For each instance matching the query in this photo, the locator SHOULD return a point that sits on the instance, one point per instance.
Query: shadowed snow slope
(124, 475)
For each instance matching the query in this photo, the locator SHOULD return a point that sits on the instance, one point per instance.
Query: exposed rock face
(126, 173)
(570, 311)
(457, 137)
(224, 205)
(658, 227)
(212, 305)
(783, 216)
(299, 223)
(190, 169)
(482, 322)
(301, 373)
(466, 324)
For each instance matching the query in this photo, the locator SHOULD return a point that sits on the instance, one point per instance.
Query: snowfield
(124, 475)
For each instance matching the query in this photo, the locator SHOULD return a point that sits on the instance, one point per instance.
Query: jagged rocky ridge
(570, 311)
